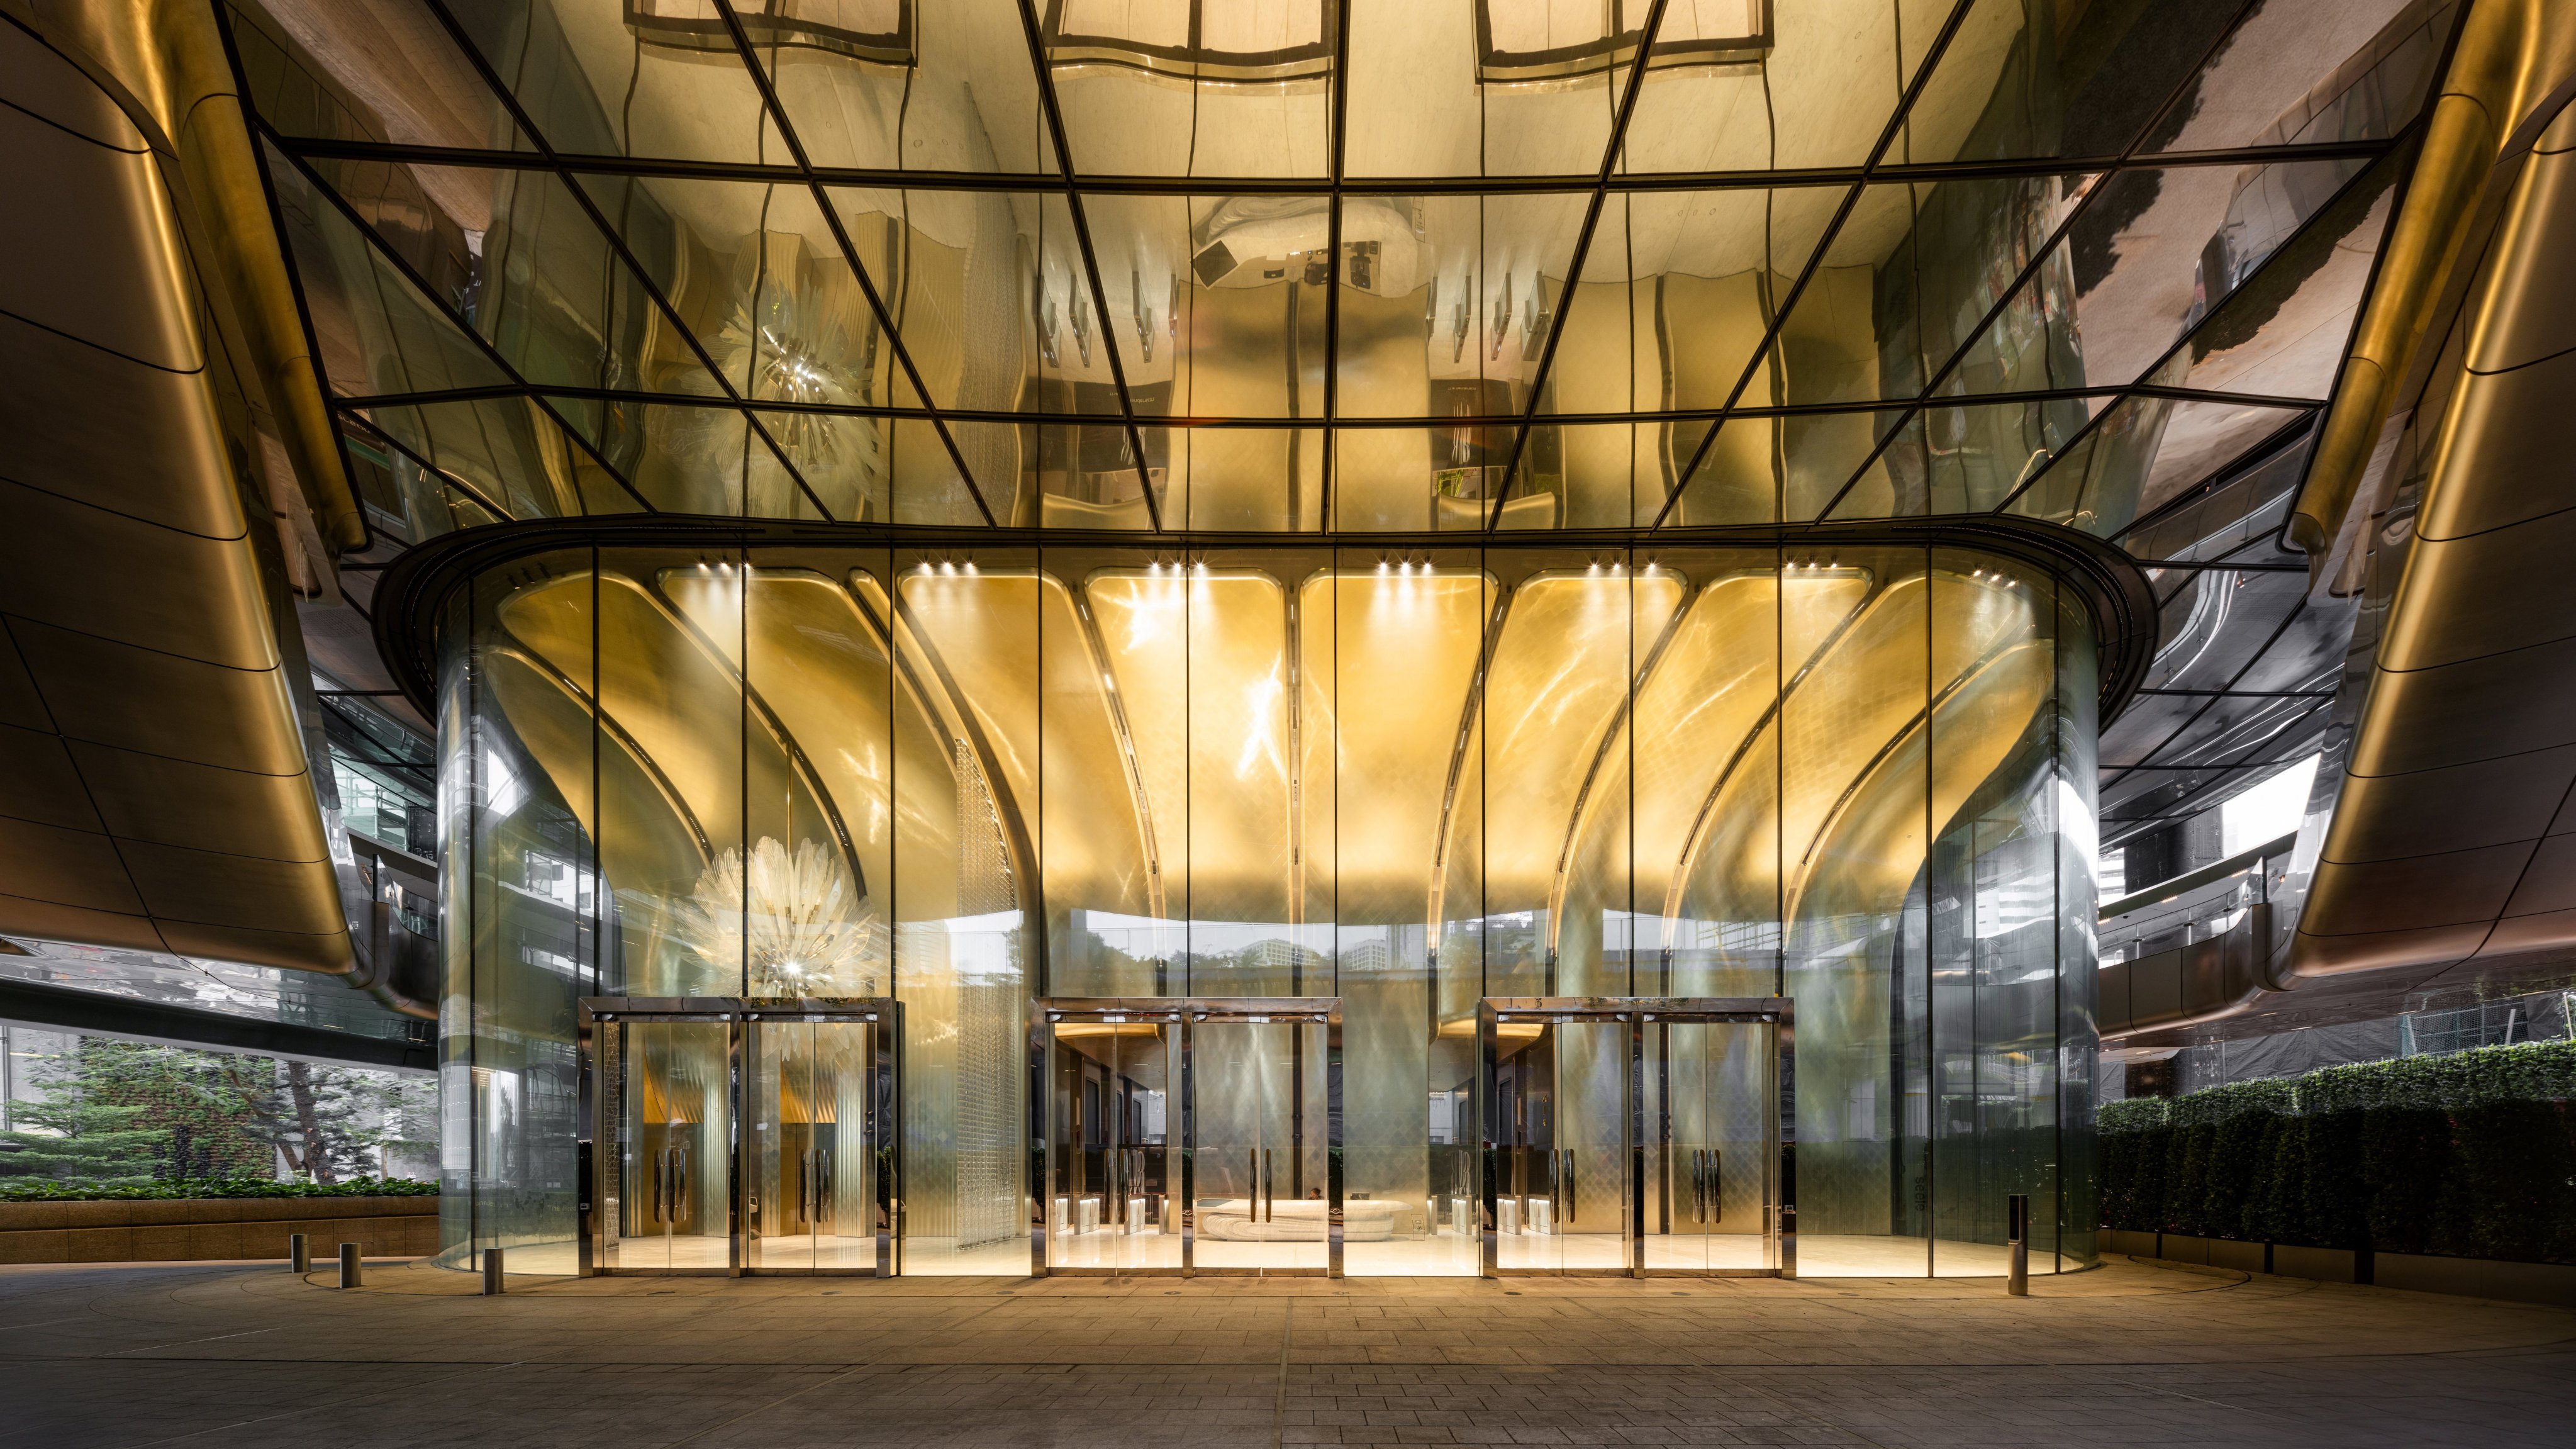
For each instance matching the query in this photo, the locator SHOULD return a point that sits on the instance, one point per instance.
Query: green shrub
(2405, 1160)
(212, 1187)
(2235, 1164)
(2510, 1180)
(2334, 1206)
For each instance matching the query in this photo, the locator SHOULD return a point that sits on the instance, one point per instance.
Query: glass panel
(1258, 1145)
(367, 73)
(939, 86)
(1562, 1103)
(961, 878)
(811, 1153)
(654, 78)
(1712, 1098)
(1113, 1110)
(1217, 303)
(2284, 331)
(1814, 90)
(1991, 930)
(1453, 311)
(671, 1085)
(1194, 87)
(2313, 71)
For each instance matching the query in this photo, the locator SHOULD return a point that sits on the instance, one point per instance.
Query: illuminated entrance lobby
(1409, 909)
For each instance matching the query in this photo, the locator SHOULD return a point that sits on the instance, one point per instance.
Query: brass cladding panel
(2478, 620)
(155, 799)
(2457, 807)
(155, 737)
(70, 866)
(2478, 709)
(137, 698)
(2530, 314)
(96, 261)
(205, 603)
(43, 785)
(54, 921)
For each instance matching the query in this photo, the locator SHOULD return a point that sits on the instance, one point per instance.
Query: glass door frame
(596, 1150)
(1183, 1015)
(1636, 1013)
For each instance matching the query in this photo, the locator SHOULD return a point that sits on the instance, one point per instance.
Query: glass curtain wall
(968, 776)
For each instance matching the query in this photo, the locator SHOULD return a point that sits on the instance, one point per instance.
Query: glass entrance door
(1561, 1099)
(1712, 1119)
(1261, 1201)
(734, 1135)
(666, 1123)
(1635, 1135)
(1113, 1114)
(818, 1146)
(1188, 1135)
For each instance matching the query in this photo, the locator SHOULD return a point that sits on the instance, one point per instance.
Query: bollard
(350, 1272)
(2017, 1238)
(494, 1283)
(299, 1254)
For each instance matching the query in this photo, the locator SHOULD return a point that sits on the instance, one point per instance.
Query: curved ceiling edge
(2116, 594)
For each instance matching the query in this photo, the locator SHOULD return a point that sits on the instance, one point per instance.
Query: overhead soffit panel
(156, 783)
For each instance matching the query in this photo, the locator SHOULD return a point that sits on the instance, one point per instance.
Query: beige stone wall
(210, 1228)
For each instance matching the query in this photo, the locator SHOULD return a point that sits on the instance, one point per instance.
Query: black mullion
(1582, 253)
(1341, 124)
(2003, 299)
(1824, 243)
(1622, 182)
(777, 113)
(626, 257)
(1767, 410)
(2189, 333)
(403, 267)
(1090, 263)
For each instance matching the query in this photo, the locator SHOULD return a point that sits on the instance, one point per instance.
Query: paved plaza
(248, 1354)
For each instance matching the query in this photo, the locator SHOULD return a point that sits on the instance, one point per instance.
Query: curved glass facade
(968, 778)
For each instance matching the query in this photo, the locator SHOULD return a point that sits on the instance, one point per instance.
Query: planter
(2553, 1283)
(202, 1229)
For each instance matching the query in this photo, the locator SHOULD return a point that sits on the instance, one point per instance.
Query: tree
(82, 1139)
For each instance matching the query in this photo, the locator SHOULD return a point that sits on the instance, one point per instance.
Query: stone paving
(248, 1354)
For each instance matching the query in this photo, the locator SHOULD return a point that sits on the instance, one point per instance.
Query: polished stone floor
(249, 1354)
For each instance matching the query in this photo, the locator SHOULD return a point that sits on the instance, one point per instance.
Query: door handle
(1571, 1201)
(1269, 1189)
(1699, 1184)
(1716, 1200)
(679, 1179)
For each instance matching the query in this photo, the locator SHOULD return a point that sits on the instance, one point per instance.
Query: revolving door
(1636, 1136)
(742, 1136)
(1187, 1135)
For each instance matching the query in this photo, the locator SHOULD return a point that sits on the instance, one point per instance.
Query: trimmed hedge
(2473, 1155)
(208, 1187)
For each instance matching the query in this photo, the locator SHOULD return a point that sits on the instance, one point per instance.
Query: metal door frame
(1636, 1013)
(597, 1193)
(1186, 1014)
